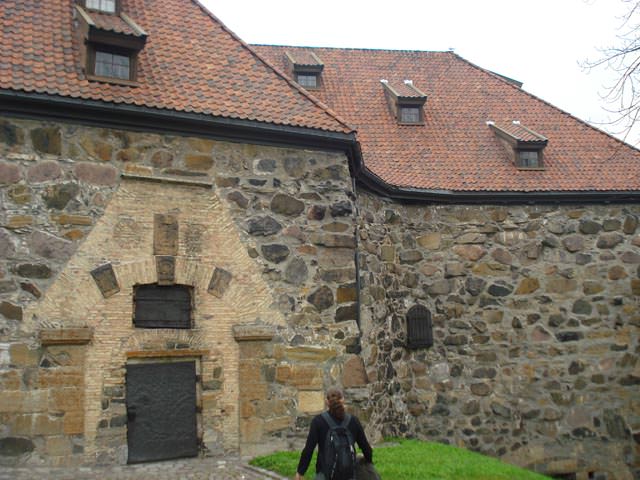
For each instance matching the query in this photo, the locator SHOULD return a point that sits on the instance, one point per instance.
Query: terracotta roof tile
(405, 89)
(455, 149)
(305, 58)
(112, 23)
(191, 63)
(520, 132)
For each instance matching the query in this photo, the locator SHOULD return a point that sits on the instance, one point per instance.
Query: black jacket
(317, 435)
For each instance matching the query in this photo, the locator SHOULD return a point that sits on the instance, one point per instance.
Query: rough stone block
(276, 424)
(9, 173)
(354, 373)
(44, 172)
(198, 162)
(47, 140)
(45, 424)
(33, 401)
(15, 446)
(305, 353)
(306, 377)
(251, 430)
(23, 356)
(66, 399)
(220, 280)
(311, 401)
(96, 174)
(15, 222)
(58, 446)
(11, 311)
(50, 246)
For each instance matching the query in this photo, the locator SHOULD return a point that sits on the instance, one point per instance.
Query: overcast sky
(540, 43)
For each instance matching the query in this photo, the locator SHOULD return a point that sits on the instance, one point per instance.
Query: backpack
(339, 454)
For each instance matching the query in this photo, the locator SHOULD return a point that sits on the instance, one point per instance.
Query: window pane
(102, 5)
(409, 115)
(308, 80)
(109, 6)
(112, 65)
(529, 159)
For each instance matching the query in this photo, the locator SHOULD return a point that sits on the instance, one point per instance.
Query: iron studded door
(161, 411)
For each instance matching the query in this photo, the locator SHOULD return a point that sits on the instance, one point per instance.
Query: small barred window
(157, 306)
(419, 328)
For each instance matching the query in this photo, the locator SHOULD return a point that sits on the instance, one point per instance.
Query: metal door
(161, 411)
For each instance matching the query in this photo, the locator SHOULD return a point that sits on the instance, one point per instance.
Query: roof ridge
(280, 74)
(393, 50)
(535, 97)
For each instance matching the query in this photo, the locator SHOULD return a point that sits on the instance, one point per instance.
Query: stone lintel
(187, 352)
(174, 180)
(65, 336)
(253, 333)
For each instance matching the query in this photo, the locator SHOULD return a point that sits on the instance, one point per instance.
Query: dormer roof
(404, 91)
(519, 135)
(304, 60)
(118, 23)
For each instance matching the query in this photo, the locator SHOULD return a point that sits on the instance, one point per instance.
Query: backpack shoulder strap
(329, 419)
(346, 420)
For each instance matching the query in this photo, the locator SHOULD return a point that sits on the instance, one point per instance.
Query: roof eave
(116, 115)
(374, 183)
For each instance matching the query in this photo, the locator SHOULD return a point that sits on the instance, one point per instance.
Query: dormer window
(529, 159)
(307, 80)
(525, 145)
(306, 68)
(112, 65)
(405, 102)
(106, 6)
(410, 114)
(110, 43)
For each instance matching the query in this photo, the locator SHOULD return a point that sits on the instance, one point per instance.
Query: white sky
(538, 42)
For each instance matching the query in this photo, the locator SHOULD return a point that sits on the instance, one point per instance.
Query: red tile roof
(111, 23)
(455, 149)
(190, 63)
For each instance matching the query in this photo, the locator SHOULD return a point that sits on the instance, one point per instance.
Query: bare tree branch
(624, 60)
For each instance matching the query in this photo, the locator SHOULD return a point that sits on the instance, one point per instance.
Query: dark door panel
(161, 411)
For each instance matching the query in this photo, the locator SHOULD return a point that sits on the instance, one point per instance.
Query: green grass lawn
(415, 460)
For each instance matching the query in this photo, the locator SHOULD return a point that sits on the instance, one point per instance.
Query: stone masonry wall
(535, 324)
(281, 221)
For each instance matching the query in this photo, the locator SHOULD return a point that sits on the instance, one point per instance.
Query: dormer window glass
(112, 65)
(410, 115)
(107, 6)
(529, 159)
(307, 80)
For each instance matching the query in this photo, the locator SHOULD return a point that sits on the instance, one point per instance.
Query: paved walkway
(184, 469)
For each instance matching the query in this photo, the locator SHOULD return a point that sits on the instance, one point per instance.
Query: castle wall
(264, 237)
(535, 327)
